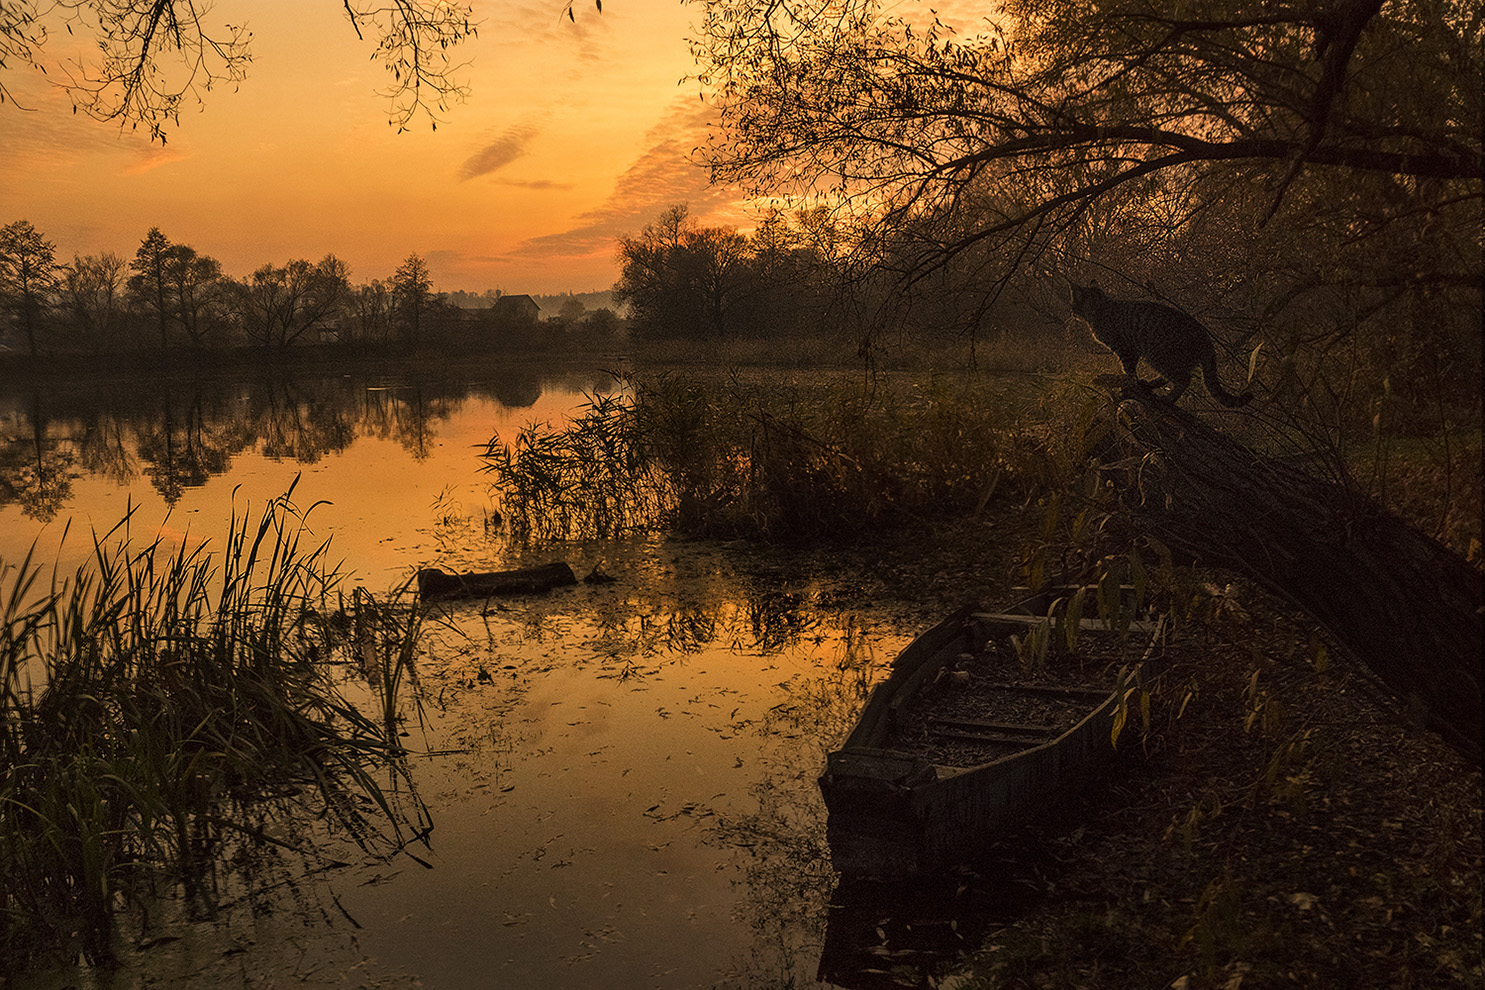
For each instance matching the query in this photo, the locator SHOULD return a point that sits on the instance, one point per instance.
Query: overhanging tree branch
(890, 117)
(155, 56)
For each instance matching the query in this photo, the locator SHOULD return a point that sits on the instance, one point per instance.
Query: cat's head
(1085, 299)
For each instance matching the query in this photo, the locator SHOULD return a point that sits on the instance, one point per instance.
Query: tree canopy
(28, 272)
(681, 279)
(1316, 167)
(1056, 108)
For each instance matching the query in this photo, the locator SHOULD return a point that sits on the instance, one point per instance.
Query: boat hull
(894, 814)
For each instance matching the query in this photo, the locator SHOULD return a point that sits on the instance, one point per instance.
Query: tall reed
(775, 460)
(160, 705)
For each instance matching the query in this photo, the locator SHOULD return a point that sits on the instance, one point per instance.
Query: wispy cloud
(541, 27)
(537, 184)
(153, 157)
(51, 137)
(661, 177)
(498, 153)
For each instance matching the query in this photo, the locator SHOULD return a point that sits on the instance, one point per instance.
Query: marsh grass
(169, 715)
(385, 643)
(778, 460)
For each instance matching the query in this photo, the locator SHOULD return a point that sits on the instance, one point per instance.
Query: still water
(621, 777)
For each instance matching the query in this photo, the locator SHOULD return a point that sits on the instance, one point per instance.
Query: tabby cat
(1172, 342)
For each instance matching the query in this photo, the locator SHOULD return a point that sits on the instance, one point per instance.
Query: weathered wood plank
(437, 585)
(1401, 603)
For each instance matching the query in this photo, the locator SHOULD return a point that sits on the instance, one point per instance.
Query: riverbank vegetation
(729, 456)
(927, 487)
(172, 722)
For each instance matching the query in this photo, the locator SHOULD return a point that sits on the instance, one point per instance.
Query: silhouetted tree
(681, 279)
(92, 291)
(1313, 169)
(412, 288)
(194, 283)
(1065, 103)
(280, 305)
(28, 274)
(370, 312)
(149, 286)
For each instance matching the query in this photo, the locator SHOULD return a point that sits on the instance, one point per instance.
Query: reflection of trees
(406, 415)
(513, 388)
(179, 435)
(103, 449)
(779, 843)
(778, 620)
(36, 470)
(299, 420)
(184, 448)
(412, 418)
(780, 846)
(773, 841)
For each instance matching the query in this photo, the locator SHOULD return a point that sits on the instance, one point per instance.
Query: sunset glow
(574, 134)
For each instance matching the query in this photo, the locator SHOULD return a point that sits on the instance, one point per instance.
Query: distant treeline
(172, 299)
(808, 274)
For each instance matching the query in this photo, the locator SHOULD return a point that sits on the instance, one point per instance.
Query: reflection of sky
(624, 789)
(619, 790)
(381, 514)
(622, 785)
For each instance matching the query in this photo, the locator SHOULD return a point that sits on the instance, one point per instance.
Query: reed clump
(779, 460)
(167, 717)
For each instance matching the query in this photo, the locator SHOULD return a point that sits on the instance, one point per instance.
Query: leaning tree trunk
(1399, 601)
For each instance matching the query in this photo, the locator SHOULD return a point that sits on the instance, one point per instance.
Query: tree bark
(434, 584)
(1400, 602)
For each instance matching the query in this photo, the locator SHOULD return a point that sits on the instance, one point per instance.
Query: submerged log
(1400, 602)
(435, 585)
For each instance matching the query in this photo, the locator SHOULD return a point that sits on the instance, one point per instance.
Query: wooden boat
(963, 741)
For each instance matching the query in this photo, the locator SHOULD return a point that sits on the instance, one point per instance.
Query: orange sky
(574, 135)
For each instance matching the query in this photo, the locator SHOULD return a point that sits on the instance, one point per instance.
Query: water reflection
(185, 443)
(180, 433)
(36, 469)
(635, 766)
(621, 776)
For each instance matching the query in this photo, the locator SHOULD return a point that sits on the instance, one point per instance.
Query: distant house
(516, 309)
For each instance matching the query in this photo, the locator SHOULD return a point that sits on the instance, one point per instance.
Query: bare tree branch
(155, 57)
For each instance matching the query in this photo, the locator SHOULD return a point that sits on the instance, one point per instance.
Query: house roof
(520, 301)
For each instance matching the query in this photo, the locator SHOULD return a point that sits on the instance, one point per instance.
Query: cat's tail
(1214, 385)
